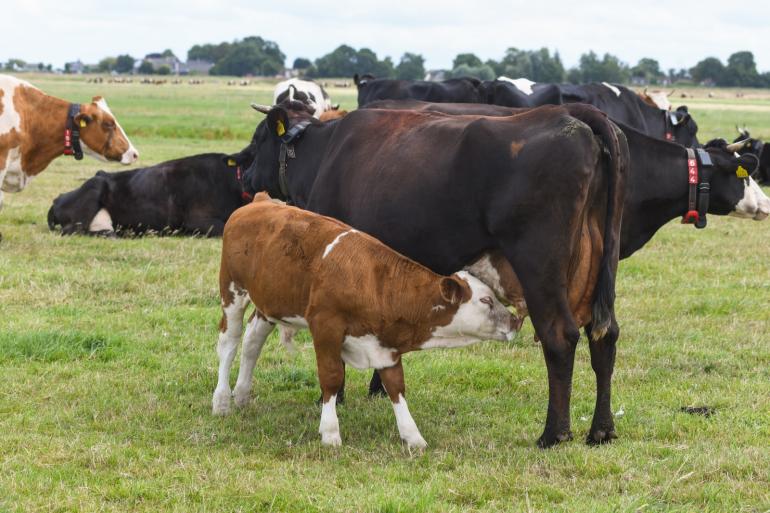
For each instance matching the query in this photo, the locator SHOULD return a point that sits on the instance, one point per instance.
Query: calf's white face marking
(754, 205)
(522, 84)
(336, 241)
(482, 317)
(612, 88)
(366, 352)
(101, 222)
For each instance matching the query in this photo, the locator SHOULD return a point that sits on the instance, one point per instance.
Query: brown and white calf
(34, 126)
(365, 304)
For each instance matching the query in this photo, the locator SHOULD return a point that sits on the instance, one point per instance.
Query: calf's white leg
(330, 425)
(227, 346)
(257, 332)
(393, 381)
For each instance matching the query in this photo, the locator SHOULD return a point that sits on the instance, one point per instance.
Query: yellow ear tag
(230, 162)
(83, 123)
(742, 173)
(279, 128)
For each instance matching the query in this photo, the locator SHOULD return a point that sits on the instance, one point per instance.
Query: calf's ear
(278, 121)
(452, 290)
(745, 165)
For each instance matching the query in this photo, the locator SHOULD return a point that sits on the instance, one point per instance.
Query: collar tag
(692, 168)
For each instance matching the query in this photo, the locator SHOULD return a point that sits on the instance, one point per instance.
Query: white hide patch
(130, 155)
(486, 272)
(9, 118)
(336, 241)
(367, 353)
(612, 88)
(12, 178)
(102, 222)
(522, 84)
(407, 428)
(754, 205)
(321, 103)
(330, 425)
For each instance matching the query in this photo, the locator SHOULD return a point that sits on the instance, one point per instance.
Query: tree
(146, 68)
(516, 64)
(107, 64)
(468, 59)
(208, 52)
(14, 64)
(709, 68)
(648, 70)
(168, 53)
(544, 67)
(344, 61)
(741, 70)
(164, 70)
(591, 69)
(301, 63)
(250, 56)
(411, 67)
(124, 64)
(482, 72)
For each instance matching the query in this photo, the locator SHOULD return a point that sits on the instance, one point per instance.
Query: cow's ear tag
(279, 128)
(230, 162)
(741, 172)
(83, 123)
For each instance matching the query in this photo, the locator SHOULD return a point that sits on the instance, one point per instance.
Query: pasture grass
(107, 353)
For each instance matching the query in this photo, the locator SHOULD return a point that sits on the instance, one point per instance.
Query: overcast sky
(676, 33)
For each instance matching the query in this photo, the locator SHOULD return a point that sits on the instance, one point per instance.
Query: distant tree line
(256, 56)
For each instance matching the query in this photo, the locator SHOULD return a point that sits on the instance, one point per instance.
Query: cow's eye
(487, 301)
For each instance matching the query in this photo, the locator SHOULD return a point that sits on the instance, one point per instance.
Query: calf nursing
(365, 304)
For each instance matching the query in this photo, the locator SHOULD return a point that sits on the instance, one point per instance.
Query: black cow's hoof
(548, 440)
(601, 436)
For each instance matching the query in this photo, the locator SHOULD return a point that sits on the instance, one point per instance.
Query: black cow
(443, 190)
(759, 149)
(191, 195)
(456, 90)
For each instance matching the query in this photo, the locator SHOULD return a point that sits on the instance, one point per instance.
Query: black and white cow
(306, 91)
(459, 90)
(759, 149)
(191, 195)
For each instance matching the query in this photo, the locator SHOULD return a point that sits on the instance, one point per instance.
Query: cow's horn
(672, 92)
(737, 146)
(264, 109)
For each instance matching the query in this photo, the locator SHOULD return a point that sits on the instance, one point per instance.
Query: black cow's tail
(616, 162)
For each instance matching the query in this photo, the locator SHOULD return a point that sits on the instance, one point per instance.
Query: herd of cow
(441, 204)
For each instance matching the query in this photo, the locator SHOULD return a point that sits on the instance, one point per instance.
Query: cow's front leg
(393, 380)
(327, 341)
(603, 363)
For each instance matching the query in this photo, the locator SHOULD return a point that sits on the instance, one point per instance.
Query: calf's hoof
(241, 397)
(547, 440)
(221, 403)
(601, 436)
(331, 439)
(416, 443)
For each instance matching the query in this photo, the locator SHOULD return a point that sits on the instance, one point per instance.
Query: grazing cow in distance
(459, 90)
(191, 195)
(371, 170)
(364, 304)
(35, 128)
(305, 91)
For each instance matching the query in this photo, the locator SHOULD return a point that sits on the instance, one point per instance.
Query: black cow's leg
(375, 385)
(603, 363)
(546, 297)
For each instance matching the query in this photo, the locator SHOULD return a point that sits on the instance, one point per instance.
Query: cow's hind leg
(393, 379)
(546, 297)
(257, 332)
(375, 385)
(231, 327)
(603, 363)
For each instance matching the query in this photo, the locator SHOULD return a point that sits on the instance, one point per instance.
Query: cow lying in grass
(193, 195)
(364, 304)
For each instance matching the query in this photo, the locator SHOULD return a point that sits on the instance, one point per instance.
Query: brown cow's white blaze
(32, 126)
(364, 304)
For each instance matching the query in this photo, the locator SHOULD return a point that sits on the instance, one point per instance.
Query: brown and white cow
(32, 132)
(364, 304)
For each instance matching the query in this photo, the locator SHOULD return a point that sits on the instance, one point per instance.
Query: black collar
(72, 133)
(700, 188)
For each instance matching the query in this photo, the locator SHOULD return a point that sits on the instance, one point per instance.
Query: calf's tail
(615, 166)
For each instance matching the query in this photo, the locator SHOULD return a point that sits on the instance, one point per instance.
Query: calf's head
(478, 312)
(101, 135)
(733, 191)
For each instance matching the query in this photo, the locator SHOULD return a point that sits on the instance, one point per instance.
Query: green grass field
(107, 351)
